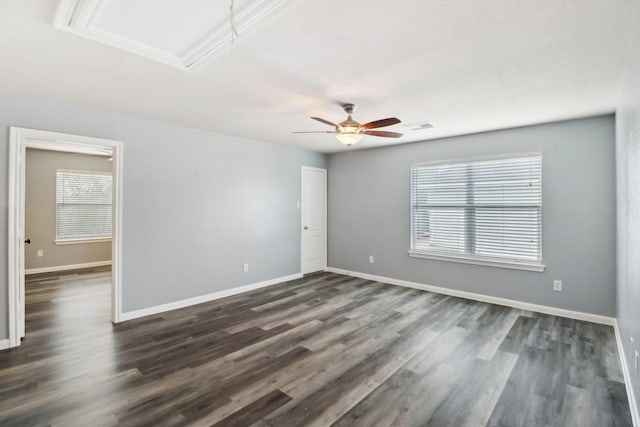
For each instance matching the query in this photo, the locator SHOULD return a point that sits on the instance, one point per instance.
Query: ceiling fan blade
(319, 131)
(381, 123)
(382, 133)
(326, 122)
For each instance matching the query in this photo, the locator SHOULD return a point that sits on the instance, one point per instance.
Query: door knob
(306, 227)
(28, 241)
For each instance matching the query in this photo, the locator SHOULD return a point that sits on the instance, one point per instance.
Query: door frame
(324, 231)
(19, 140)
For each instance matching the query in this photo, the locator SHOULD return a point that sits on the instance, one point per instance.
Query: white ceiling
(465, 66)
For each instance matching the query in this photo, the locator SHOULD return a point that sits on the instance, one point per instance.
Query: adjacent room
(294, 213)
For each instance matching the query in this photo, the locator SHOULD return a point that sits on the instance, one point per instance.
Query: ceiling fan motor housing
(349, 125)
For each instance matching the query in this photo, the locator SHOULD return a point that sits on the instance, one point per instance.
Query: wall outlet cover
(557, 285)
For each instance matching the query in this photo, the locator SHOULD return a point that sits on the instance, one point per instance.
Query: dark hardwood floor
(323, 350)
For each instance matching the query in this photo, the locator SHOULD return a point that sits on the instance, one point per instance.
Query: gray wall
(197, 205)
(628, 208)
(40, 213)
(369, 214)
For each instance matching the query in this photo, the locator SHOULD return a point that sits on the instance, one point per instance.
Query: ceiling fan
(351, 132)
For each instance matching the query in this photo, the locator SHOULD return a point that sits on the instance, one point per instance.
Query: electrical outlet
(298, 204)
(557, 285)
(246, 267)
(40, 253)
(370, 259)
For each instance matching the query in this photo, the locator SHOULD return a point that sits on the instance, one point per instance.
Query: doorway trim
(19, 140)
(326, 209)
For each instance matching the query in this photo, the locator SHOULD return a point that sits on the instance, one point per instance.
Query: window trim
(77, 241)
(87, 172)
(490, 262)
(80, 240)
(536, 266)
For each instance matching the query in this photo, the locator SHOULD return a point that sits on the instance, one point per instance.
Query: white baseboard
(66, 267)
(4, 344)
(633, 406)
(595, 318)
(205, 298)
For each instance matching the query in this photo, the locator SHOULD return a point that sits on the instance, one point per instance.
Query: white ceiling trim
(79, 17)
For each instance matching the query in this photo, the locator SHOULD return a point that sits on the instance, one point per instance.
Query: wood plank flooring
(319, 351)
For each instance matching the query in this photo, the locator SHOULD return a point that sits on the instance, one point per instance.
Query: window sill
(80, 241)
(481, 261)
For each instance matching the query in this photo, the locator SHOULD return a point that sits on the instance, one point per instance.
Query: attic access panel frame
(96, 20)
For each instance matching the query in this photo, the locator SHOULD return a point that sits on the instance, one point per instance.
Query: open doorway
(65, 191)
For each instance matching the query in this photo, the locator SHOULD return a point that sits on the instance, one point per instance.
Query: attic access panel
(182, 33)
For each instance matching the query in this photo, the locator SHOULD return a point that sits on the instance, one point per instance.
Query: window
(485, 212)
(83, 206)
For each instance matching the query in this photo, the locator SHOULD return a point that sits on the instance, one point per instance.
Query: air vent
(419, 125)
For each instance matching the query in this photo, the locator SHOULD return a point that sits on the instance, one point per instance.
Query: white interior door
(314, 220)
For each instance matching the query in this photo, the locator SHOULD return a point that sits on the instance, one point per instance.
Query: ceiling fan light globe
(349, 138)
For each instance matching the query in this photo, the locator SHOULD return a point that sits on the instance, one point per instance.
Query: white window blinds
(490, 209)
(83, 205)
